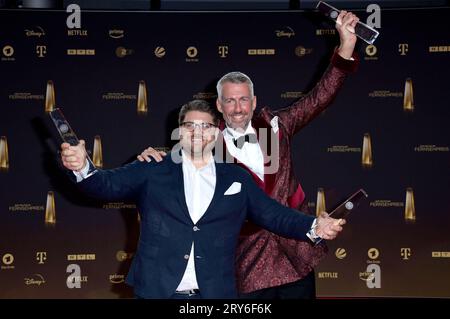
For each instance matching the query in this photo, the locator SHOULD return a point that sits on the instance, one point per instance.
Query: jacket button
(186, 257)
(195, 228)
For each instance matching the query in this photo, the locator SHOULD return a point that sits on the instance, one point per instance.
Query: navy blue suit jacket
(167, 231)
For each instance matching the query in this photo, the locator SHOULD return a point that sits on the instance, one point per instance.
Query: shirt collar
(208, 168)
(230, 132)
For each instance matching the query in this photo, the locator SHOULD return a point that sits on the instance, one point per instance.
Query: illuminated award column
(4, 160)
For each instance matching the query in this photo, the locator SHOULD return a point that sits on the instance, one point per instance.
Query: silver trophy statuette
(362, 30)
(345, 207)
(63, 127)
(67, 134)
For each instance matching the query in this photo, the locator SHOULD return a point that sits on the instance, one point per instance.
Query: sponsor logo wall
(120, 79)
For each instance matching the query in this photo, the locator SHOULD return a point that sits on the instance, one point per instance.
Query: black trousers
(302, 289)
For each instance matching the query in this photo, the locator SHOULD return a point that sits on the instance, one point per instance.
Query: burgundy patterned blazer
(264, 259)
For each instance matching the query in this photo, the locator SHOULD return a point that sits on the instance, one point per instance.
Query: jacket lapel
(178, 182)
(272, 139)
(221, 187)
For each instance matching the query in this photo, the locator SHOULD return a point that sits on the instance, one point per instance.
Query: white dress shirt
(250, 154)
(83, 173)
(199, 185)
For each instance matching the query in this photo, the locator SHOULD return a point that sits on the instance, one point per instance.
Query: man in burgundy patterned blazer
(270, 266)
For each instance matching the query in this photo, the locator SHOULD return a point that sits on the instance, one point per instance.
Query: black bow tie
(247, 138)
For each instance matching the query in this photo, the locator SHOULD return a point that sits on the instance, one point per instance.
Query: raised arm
(114, 184)
(343, 62)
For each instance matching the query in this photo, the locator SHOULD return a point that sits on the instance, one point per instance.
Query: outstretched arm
(287, 222)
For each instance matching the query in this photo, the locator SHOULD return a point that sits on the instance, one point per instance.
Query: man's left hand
(345, 25)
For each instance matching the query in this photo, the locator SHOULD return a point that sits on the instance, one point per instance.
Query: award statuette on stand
(68, 135)
(362, 30)
(344, 208)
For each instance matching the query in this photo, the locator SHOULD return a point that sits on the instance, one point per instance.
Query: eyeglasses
(191, 126)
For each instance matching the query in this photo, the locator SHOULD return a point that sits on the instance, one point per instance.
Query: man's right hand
(73, 157)
(327, 227)
(150, 153)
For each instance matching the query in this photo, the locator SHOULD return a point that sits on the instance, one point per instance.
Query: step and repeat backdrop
(120, 78)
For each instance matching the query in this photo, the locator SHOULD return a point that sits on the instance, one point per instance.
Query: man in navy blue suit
(192, 209)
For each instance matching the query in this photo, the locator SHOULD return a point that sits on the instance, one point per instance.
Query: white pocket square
(233, 189)
(274, 124)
